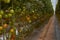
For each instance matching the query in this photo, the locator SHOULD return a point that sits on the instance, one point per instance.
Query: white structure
(54, 2)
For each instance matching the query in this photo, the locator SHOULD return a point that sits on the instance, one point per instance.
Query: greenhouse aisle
(47, 33)
(51, 34)
(57, 27)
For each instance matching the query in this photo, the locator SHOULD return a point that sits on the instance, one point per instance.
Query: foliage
(24, 15)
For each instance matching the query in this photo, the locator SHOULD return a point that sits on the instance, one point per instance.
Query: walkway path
(48, 32)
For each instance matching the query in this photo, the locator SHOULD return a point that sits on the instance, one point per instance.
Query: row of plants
(18, 18)
(58, 11)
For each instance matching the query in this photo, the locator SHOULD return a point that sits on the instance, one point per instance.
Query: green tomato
(7, 1)
(6, 16)
(23, 7)
(11, 11)
(1, 12)
(9, 15)
(0, 16)
(33, 11)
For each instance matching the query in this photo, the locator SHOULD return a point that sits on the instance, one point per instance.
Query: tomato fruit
(6, 16)
(1, 27)
(7, 1)
(1, 12)
(9, 15)
(0, 16)
(11, 30)
(5, 25)
(11, 11)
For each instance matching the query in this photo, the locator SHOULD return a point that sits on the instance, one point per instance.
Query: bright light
(54, 2)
